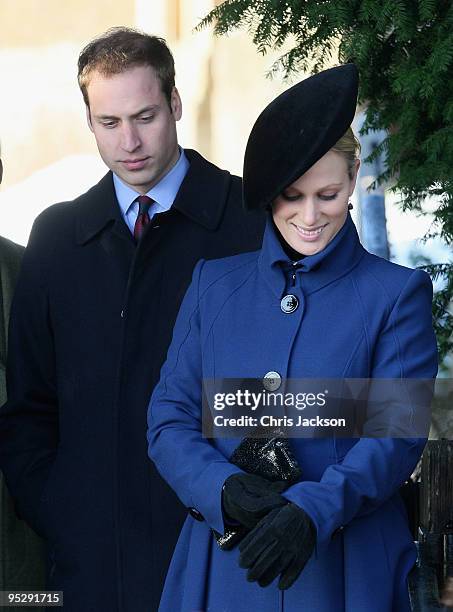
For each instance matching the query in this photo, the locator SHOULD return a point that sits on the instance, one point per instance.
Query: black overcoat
(91, 322)
(21, 551)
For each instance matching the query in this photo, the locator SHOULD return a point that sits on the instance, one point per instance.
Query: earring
(350, 206)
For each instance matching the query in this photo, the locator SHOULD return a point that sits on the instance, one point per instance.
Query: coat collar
(204, 191)
(202, 198)
(315, 271)
(97, 208)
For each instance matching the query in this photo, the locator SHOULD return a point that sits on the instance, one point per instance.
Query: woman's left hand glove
(281, 543)
(246, 498)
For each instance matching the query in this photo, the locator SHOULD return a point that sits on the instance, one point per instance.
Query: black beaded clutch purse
(270, 458)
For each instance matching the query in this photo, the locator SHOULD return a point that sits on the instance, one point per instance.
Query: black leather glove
(281, 543)
(248, 497)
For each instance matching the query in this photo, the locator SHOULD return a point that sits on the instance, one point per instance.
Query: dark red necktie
(144, 202)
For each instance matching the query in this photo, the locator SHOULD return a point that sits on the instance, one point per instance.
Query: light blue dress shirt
(163, 193)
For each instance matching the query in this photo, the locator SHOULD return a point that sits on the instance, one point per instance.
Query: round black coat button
(195, 514)
(272, 381)
(289, 303)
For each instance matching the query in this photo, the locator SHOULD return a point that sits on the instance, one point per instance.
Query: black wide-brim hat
(295, 130)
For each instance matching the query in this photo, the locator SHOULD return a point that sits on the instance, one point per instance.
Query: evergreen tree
(404, 52)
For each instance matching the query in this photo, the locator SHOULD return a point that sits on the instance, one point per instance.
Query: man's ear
(88, 115)
(176, 104)
(1, 170)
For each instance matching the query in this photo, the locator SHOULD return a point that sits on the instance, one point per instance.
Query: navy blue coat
(90, 326)
(359, 316)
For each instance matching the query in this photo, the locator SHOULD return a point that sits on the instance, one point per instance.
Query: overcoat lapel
(100, 220)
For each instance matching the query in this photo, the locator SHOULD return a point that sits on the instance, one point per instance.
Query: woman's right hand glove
(281, 544)
(247, 498)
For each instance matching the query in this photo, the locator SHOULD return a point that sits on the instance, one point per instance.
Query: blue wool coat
(359, 317)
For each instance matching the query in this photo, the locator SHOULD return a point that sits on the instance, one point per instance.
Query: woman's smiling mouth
(309, 234)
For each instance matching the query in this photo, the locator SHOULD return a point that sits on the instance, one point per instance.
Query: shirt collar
(163, 193)
(336, 259)
(98, 207)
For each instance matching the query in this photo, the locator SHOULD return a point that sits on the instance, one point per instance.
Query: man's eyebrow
(104, 116)
(146, 109)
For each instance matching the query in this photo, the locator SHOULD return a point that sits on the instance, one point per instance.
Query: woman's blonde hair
(349, 147)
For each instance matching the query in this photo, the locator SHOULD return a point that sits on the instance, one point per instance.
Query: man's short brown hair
(119, 49)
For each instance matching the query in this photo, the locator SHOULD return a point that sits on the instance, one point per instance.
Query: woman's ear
(354, 176)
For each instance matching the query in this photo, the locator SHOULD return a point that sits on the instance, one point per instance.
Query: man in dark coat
(100, 287)
(21, 550)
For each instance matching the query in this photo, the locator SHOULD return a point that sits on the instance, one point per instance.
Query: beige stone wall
(41, 23)
(222, 82)
(49, 153)
(41, 115)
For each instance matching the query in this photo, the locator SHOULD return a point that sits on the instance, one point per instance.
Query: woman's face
(312, 210)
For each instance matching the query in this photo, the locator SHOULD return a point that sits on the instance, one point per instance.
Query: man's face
(134, 127)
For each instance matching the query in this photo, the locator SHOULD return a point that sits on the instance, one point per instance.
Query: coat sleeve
(374, 468)
(190, 464)
(29, 419)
